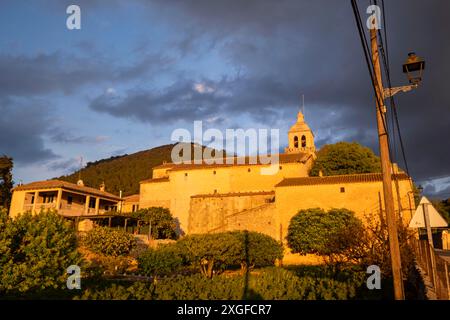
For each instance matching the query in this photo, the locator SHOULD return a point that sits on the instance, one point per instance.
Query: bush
(160, 219)
(110, 242)
(35, 251)
(213, 253)
(330, 234)
(160, 262)
(272, 283)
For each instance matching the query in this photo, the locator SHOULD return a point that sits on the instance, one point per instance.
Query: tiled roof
(165, 179)
(55, 184)
(246, 161)
(352, 178)
(132, 198)
(234, 194)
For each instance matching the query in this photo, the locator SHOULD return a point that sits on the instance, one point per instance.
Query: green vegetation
(6, 182)
(163, 225)
(345, 158)
(35, 251)
(163, 261)
(314, 231)
(268, 284)
(213, 253)
(110, 242)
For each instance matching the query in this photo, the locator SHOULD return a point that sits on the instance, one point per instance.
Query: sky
(138, 70)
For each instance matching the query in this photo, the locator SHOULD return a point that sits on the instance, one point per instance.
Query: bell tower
(301, 138)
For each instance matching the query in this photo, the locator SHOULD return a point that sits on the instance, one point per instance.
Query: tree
(345, 158)
(329, 234)
(162, 223)
(6, 182)
(35, 252)
(109, 241)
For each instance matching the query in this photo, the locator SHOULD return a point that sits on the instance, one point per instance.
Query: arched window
(303, 142)
(295, 142)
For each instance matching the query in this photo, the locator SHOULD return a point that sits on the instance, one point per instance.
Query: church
(207, 198)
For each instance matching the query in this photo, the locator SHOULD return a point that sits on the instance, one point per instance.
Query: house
(68, 199)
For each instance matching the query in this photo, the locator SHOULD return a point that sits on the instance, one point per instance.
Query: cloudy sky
(137, 70)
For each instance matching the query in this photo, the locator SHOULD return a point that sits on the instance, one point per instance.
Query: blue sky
(137, 70)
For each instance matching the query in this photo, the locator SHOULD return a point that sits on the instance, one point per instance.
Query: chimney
(320, 173)
(80, 183)
(102, 187)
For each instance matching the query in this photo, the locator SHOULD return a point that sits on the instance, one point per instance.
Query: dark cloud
(22, 127)
(288, 48)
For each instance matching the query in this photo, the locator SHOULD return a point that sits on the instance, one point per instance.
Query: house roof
(132, 198)
(236, 161)
(56, 184)
(164, 179)
(351, 178)
(234, 194)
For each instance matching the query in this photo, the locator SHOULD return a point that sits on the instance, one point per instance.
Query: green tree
(162, 223)
(329, 234)
(345, 158)
(6, 182)
(35, 251)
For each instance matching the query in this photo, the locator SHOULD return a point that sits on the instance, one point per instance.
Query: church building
(207, 198)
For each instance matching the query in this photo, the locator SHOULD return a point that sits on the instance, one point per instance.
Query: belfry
(300, 137)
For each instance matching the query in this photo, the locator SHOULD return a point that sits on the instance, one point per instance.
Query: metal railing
(435, 267)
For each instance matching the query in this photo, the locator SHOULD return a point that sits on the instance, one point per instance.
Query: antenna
(303, 104)
(81, 167)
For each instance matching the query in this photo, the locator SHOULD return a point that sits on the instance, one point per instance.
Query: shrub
(330, 234)
(110, 242)
(159, 262)
(213, 253)
(272, 283)
(163, 225)
(35, 251)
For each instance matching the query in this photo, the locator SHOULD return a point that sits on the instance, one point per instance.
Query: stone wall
(234, 211)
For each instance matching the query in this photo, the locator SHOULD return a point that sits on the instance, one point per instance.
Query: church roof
(300, 125)
(351, 178)
(237, 161)
(56, 184)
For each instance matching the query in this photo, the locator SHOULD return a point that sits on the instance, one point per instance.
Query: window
(92, 203)
(295, 142)
(281, 168)
(186, 174)
(249, 170)
(303, 142)
(69, 200)
(342, 189)
(214, 172)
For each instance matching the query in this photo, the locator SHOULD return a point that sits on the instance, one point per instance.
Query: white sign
(436, 220)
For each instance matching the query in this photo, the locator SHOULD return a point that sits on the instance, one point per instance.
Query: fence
(436, 268)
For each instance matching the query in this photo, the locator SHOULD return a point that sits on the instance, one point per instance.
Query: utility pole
(386, 168)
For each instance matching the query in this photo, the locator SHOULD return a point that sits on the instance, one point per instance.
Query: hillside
(122, 172)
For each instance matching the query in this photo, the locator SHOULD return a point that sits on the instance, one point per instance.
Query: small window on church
(342, 190)
(303, 142)
(295, 142)
(186, 174)
(248, 170)
(214, 172)
(281, 167)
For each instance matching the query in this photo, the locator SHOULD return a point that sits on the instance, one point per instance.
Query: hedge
(110, 242)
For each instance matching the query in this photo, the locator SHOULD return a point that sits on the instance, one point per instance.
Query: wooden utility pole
(386, 169)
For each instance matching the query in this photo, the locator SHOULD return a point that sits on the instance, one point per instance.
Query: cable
(370, 65)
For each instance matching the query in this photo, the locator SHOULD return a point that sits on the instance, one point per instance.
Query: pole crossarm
(390, 92)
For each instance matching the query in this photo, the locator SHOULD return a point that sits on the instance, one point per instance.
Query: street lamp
(413, 67)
